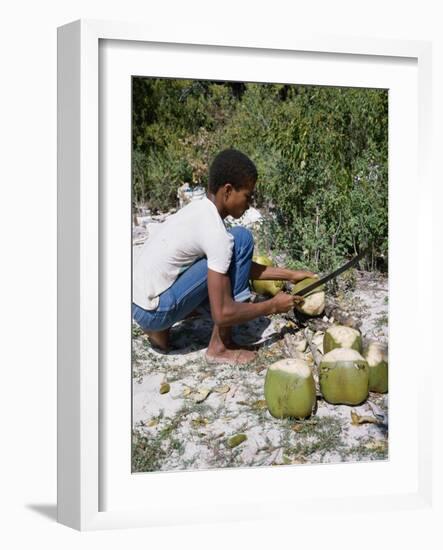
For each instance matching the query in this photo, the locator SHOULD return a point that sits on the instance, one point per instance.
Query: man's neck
(217, 202)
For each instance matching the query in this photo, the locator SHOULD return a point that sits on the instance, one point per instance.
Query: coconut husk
(290, 389)
(344, 377)
(332, 309)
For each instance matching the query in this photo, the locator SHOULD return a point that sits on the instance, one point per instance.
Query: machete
(331, 275)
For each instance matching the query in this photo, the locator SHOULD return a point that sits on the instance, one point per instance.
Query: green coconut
(265, 287)
(290, 389)
(376, 355)
(339, 336)
(314, 301)
(262, 260)
(344, 377)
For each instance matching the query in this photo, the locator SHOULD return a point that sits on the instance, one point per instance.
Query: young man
(193, 256)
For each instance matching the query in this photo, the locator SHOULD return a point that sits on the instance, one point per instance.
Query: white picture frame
(80, 258)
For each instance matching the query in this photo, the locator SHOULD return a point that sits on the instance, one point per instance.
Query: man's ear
(228, 188)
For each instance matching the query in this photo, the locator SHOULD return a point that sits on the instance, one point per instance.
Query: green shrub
(321, 154)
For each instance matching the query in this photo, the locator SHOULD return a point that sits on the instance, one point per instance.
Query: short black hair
(231, 166)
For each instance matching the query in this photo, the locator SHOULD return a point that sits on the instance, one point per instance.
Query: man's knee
(242, 237)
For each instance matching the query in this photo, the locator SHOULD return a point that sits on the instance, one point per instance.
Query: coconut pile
(345, 373)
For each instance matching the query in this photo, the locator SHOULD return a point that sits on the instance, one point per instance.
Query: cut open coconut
(376, 355)
(344, 377)
(314, 302)
(266, 287)
(339, 336)
(290, 389)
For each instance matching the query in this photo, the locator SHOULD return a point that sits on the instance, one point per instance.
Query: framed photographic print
(201, 187)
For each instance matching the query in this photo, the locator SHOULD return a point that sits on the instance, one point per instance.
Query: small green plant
(136, 331)
(147, 453)
(317, 438)
(382, 321)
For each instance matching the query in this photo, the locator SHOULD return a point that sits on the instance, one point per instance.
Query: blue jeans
(190, 289)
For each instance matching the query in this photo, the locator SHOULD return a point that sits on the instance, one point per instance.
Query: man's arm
(226, 312)
(263, 272)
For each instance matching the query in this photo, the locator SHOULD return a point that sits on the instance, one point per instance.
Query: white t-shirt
(195, 231)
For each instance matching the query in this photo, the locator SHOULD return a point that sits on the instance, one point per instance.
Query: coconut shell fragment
(344, 377)
(290, 389)
(236, 440)
(376, 355)
(339, 336)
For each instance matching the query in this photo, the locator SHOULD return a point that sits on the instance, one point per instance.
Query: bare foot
(233, 345)
(222, 349)
(230, 356)
(224, 340)
(159, 339)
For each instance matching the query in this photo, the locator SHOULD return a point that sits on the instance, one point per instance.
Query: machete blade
(332, 275)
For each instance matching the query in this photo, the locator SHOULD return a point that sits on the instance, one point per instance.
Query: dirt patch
(190, 426)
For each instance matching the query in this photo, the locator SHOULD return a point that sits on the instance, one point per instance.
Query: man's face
(239, 200)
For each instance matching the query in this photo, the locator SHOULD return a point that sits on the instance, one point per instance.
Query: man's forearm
(263, 272)
(226, 312)
(236, 313)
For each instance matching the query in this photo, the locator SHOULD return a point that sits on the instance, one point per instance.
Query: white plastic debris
(249, 218)
(187, 194)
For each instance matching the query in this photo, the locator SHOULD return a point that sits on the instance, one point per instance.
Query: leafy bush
(321, 154)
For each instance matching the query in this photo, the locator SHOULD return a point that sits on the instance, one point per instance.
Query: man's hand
(297, 276)
(282, 302)
(268, 273)
(226, 312)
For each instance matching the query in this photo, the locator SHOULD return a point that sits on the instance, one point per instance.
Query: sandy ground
(185, 411)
